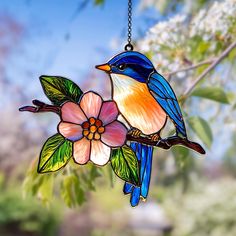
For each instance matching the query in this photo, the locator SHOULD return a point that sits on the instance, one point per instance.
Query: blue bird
(145, 100)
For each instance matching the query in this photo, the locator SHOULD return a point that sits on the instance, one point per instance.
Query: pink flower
(93, 127)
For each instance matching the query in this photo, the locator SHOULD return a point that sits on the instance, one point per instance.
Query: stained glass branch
(40, 107)
(166, 143)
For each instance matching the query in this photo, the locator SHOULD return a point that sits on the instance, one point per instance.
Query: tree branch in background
(192, 67)
(166, 143)
(210, 68)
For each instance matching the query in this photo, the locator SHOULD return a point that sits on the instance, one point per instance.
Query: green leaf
(67, 191)
(71, 191)
(202, 129)
(55, 154)
(41, 186)
(125, 164)
(181, 157)
(1, 180)
(99, 2)
(184, 165)
(231, 97)
(232, 55)
(213, 93)
(59, 89)
(203, 47)
(46, 189)
(79, 192)
(89, 177)
(111, 176)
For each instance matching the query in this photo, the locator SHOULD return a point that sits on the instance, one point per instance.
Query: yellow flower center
(93, 128)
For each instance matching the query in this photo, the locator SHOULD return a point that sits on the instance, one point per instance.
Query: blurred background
(189, 194)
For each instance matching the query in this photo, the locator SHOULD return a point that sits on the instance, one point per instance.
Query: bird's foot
(135, 133)
(155, 137)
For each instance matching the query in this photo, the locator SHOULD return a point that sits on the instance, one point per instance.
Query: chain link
(129, 46)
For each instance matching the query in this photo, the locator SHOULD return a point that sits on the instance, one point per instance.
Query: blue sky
(58, 40)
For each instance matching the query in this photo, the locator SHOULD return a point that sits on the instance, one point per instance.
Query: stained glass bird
(145, 100)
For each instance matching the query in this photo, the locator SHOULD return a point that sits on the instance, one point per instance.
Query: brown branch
(210, 68)
(41, 107)
(167, 143)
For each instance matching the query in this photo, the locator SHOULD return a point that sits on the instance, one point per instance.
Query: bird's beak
(104, 67)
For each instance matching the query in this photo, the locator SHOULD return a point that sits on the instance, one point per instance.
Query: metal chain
(129, 46)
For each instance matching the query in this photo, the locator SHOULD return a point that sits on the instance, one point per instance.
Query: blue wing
(165, 96)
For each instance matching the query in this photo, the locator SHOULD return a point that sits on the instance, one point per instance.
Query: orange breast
(139, 107)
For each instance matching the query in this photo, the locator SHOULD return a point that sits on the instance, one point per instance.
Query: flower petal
(115, 134)
(109, 112)
(82, 151)
(91, 104)
(71, 112)
(100, 153)
(71, 131)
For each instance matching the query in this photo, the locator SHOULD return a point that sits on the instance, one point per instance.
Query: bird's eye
(122, 66)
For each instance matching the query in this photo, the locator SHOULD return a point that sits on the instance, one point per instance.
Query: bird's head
(132, 64)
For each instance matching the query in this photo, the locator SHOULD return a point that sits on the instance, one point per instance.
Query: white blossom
(169, 42)
(216, 21)
(164, 34)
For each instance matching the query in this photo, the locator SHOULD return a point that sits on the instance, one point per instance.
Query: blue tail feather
(128, 188)
(147, 173)
(135, 197)
(144, 156)
(143, 151)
